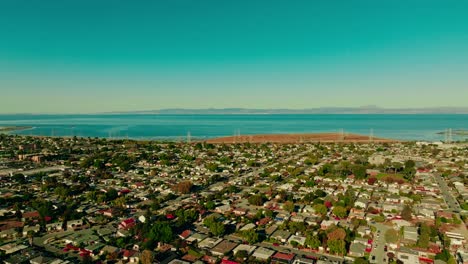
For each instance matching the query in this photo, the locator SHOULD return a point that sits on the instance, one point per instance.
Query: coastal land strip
(457, 132)
(301, 138)
(6, 129)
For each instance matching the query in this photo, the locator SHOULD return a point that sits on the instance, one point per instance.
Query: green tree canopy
(340, 211)
(313, 241)
(289, 206)
(320, 209)
(251, 236)
(337, 247)
(407, 213)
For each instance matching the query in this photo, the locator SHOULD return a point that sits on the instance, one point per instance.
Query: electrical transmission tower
(341, 134)
(448, 135)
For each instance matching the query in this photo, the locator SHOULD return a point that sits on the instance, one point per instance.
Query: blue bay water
(137, 126)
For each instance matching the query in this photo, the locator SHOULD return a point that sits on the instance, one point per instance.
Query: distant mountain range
(321, 110)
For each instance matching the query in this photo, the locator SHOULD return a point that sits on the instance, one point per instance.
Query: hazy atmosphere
(98, 56)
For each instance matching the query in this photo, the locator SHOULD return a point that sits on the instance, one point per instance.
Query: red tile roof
(226, 261)
(186, 233)
(284, 256)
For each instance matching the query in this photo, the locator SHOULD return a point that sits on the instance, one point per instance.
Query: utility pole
(188, 137)
(371, 135)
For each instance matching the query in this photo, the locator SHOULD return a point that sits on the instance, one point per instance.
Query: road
(380, 241)
(34, 171)
(452, 203)
(448, 197)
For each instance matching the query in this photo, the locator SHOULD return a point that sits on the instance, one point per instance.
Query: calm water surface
(208, 126)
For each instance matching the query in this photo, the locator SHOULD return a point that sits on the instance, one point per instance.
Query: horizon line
(272, 111)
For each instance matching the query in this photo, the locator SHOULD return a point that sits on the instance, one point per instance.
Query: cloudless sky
(81, 56)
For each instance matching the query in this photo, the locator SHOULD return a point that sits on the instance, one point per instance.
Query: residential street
(379, 252)
(448, 197)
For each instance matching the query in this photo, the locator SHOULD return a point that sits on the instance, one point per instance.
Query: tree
(340, 211)
(409, 164)
(446, 241)
(296, 226)
(18, 213)
(407, 213)
(217, 229)
(183, 187)
(111, 194)
(256, 200)
(289, 206)
(359, 171)
(424, 236)
(336, 234)
(337, 247)
(210, 205)
(44, 208)
(147, 257)
(87, 259)
(160, 231)
(250, 236)
(268, 213)
(391, 235)
(212, 167)
(409, 173)
(409, 170)
(325, 169)
(120, 242)
(361, 261)
(313, 241)
(120, 202)
(444, 255)
(19, 178)
(451, 260)
(320, 209)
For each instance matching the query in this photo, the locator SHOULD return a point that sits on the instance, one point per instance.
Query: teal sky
(81, 56)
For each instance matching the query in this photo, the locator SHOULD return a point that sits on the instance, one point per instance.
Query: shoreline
(301, 138)
(256, 138)
(7, 129)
